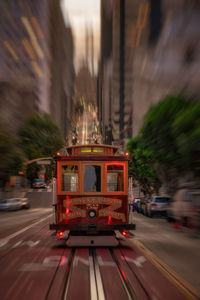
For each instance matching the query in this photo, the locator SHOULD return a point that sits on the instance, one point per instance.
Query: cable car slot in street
(69, 273)
(96, 262)
(127, 286)
(95, 274)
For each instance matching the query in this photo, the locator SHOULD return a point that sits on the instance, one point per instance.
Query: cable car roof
(92, 149)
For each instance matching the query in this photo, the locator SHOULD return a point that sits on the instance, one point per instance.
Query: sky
(81, 14)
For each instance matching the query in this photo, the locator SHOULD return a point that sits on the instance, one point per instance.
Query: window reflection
(115, 178)
(92, 179)
(70, 178)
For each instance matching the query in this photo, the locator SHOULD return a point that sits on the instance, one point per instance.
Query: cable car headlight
(92, 213)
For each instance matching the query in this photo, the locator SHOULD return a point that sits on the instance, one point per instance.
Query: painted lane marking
(52, 261)
(105, 263)
(138, 261)
(28, 243)
(188, 290)
(4, 241)
(81, 260)
(48, 262)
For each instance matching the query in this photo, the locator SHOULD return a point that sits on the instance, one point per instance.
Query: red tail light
(67, 211)
(109, 219)
(125, 233)
(59, 234)
(153, 204)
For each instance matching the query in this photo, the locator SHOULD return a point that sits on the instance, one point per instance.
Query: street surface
(34, 265)
(179, 248)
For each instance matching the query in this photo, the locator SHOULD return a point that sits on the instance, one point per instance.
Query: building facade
(116, 88)
(167, 60)
(62, 105)
(155, 52)
(29, 62)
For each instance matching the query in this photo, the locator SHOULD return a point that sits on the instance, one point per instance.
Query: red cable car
(91, 195)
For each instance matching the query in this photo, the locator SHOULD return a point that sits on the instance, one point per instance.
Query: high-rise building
(155, 52)
(61, 69)
(104, 93)
(32, 68)
(128, 20)
(167, 61)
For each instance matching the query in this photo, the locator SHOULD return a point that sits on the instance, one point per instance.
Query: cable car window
(115, 178)
(70, 178)
(92, 178)
(100, 150)
(88, 149)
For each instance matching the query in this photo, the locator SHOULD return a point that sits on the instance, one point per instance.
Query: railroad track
(105, 274)
(119, 273)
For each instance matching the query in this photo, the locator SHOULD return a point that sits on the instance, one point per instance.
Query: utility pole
(122, 61)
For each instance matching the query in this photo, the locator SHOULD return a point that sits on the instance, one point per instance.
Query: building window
(189, 55)
(155, 20)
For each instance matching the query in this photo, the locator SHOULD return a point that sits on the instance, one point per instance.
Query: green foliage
(17, 159)
(186, 129)
(157, 130)
(5, 153)
(169, 141)
(40, 137)
(140, 168)
(11, 157)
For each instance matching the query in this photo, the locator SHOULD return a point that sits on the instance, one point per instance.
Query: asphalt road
(40, 206)
(178, 248)
(30, 256)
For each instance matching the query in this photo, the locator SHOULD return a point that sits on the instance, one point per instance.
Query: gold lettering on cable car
(110, 210)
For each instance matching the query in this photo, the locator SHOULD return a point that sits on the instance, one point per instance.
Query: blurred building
(28, 34)
(154, 52)
(167, 60)
(104, 92)
(85, 85)
(122, 26)
(129, 18)
(62, 101)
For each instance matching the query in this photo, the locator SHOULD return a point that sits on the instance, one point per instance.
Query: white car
(14, 204)
(185, 209)
(157, 205)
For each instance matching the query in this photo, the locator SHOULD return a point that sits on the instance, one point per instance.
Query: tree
(40, 137)
(11, 156)
(161, 142)
(140, 168)
(186, 128)
(168, 142)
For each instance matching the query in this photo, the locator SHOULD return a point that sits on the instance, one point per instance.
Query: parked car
(185, 209)
(38, 183)
(157, 205)
(14, 204)
(135, 204)
(141, 205)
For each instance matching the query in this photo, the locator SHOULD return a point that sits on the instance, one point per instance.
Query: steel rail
(127, 286)
(100, 290)
(97, 291)
(68, 275)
